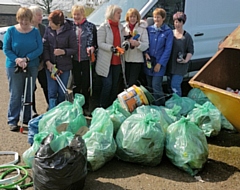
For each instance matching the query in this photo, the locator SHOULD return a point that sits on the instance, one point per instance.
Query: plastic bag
(186, 104)
(101, 146)
(157, 112)
(66, 116)
(186, 146)
(29, 154)
(197, 95)
(140, 139)
(65, 169)
(33, 128)
(117, 114)
(207, 117)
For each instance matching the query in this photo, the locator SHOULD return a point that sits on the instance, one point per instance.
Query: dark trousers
(81, 78)
(42, 79)
(132, 72)
(110, 86)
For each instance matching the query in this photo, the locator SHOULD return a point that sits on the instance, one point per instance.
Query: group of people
(33, 50)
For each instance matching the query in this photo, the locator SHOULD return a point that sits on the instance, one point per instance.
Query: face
(178, 24)
(77, 16)
(24, 22)
(117, 16)
(37, 18)
(132, 19)
(53, 26)
(158, 20)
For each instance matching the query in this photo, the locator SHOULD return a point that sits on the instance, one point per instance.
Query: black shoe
(13, 127)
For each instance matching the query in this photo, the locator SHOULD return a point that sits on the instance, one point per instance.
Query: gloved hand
(55, 72)
(114, 50)
(125, 45)
(117, 50)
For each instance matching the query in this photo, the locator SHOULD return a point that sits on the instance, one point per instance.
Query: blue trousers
(155, 86)
(54, 91)
(174, 84)
(16, 89)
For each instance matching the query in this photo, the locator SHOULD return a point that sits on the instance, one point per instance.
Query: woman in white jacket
(137, 34)
(108, 66)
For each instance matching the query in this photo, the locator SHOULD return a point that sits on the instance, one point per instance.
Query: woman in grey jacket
(138, 39)
(108, 66)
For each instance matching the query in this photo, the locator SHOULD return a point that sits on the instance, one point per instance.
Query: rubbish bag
(156, 111)
(225, 124)
(197, 95)
(117, 114)
(66, 116)
(101, 146)
(186, 146)
(186, 104)
(33, 128)
(29, 154)
(65, 169)
(140, 139)
(207, 117)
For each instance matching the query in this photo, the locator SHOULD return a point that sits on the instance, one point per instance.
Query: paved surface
(222, 171)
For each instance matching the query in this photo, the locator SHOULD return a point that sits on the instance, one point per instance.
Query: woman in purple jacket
(60, 44)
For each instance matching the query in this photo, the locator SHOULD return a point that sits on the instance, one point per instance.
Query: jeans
(174, 84)
(16, 89)
(110, 86)
(54, 90)
(155, 86)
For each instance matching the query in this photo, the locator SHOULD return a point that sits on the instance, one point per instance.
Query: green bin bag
(101, 146)
(186, 146)
(140, 139)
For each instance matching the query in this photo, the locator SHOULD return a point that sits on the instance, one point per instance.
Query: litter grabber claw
(55, 72)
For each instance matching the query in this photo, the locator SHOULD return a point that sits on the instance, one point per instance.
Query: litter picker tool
(24, 103)
(91, 60)
(55, 76)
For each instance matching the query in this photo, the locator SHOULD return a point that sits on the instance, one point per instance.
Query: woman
(109, 36)
(22, 47)
(60, 44)
(134, 55)
(160, 46)
(42, 79)
(86, 37)
(181, 54)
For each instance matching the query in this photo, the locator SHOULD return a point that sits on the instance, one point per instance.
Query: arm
(167, 49)
(7, 46)
(101, 39)
(73, 46)
(143, 42)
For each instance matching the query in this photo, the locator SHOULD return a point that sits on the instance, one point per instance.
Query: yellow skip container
(219, 73)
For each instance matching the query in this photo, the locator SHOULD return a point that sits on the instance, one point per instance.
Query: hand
(181, 61)
(58, 52)
(134, 43)
(157, 68)
(147, 56)
(113, 49)
(90, 50)
(125, 45)
(49, 66)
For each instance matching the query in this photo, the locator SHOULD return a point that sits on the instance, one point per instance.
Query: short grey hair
(111, 9)
(35, 9)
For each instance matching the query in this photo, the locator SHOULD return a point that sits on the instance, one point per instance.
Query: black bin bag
(65, 169)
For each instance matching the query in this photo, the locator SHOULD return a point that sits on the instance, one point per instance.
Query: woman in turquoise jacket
(157, 56)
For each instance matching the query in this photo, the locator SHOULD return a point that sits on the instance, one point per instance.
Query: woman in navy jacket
(60, 44)
(160, 46)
